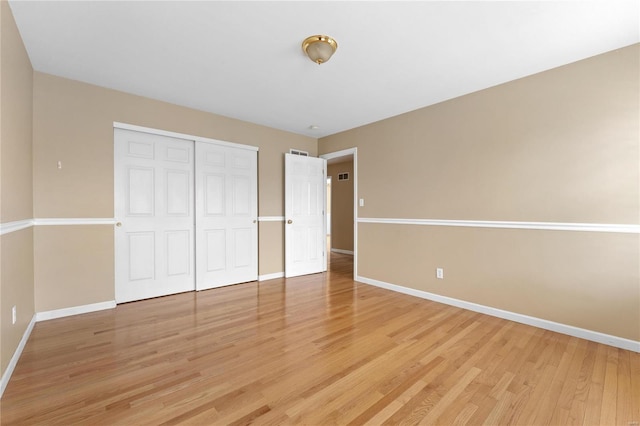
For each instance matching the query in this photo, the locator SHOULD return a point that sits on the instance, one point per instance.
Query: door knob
(255, 221)
(289, 221)
(118, 224)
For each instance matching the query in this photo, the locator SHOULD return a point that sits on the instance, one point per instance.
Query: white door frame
(190, 138)
(345, 153)
(327, 212)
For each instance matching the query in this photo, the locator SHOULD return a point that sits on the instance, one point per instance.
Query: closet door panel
(154, 199)
(226, 215)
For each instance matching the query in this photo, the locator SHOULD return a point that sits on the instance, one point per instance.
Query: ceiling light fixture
(319, 48)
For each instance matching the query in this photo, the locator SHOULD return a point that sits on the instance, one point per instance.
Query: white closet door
(226, 215)
(154, 192)
(305, 233)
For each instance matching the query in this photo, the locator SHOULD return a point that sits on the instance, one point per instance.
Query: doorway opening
(328, 214)
(342, 205)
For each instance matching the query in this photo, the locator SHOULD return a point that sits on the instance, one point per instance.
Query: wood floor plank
(635, 388)
(596, 388)
(319, 349)
(499, 409)
(406, 389)
(623, 393)
(450, 396)
(465, 415)
(567, 394)
(610, 390)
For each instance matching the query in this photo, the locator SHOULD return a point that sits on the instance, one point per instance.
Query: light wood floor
(315, 350)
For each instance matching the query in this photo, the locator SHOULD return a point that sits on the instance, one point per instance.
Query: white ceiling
(243, 59)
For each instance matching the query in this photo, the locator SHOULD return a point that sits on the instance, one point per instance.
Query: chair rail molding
(270, 218)
(8, 227)
(74, 221)
(550, 226)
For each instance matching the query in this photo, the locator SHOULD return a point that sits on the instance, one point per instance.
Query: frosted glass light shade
(319, 48)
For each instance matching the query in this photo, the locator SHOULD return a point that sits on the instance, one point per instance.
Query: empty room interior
(320, 213)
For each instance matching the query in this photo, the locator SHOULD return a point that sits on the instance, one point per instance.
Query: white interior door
(226, 215)
(305, 234)
(154, 243)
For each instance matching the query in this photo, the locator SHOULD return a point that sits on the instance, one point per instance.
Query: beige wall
(73, 123)
(559, 146)
(341, 206)
(17, 77)
(83, 255)
(16, 277)
(16, 202)
(271, 246)
(584, 279)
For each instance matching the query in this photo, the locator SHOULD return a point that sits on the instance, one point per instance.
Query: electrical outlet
(14, 315)
(440, 273)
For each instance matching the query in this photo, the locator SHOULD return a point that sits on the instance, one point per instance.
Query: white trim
(337, 250)
(75, 310)
(570, 330)
(272, 276)
(270, 218)
(345, 153)
(6, 376)
(185, 136)
(6, 228)
(551, 226)
(74, 221)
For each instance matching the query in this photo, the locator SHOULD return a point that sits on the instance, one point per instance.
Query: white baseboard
(16, 356)
(336, 250)
(273, 276)
(570, 330)
(75, 310)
